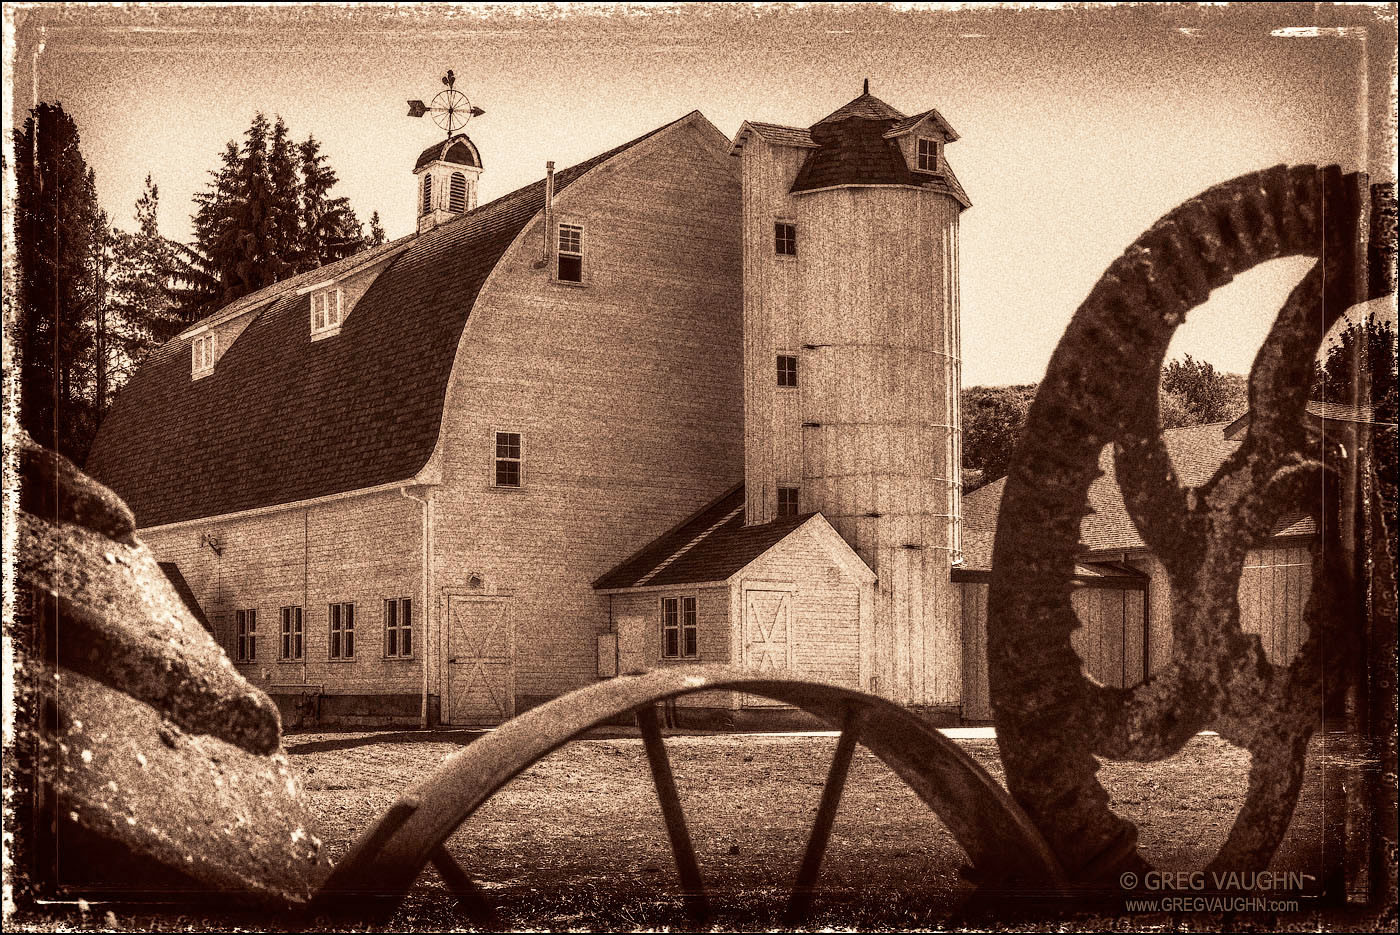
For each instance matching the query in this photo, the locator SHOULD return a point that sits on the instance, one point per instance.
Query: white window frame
(327, 312)
(561, 252)
(937, 145)
(685, 649)
(245, 635)
(291, 642)
(398, 620)
(785, 222)
(496, 459)
(202, 352)
(340, 625)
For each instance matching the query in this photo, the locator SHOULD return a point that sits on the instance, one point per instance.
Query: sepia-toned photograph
(700, 467)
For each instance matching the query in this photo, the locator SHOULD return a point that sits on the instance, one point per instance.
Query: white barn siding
(627, 391)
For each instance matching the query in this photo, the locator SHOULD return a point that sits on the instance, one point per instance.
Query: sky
(1078, 127)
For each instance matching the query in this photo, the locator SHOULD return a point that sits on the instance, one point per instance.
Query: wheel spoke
(697, 906)
(802, 892)
(468, 894)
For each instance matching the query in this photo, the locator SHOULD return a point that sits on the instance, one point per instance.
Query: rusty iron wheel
(1006, 852)
(1101, 388)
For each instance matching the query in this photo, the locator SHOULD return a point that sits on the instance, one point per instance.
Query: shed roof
(1196, 451)
(284, 419)
(710, 545)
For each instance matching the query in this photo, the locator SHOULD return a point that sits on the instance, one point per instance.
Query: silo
(867, 302)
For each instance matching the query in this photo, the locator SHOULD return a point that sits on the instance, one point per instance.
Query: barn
(691, 400)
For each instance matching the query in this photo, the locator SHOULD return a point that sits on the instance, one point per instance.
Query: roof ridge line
(687, 547)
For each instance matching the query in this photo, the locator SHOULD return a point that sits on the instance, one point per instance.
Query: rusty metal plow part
(1002, 845)
(1101, 388)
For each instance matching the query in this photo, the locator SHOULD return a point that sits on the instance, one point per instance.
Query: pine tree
(57, 224)
(267, 214)
(329, 227)
(376, 231)
(140, 311)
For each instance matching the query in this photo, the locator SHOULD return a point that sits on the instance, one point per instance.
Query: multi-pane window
(342, 641)
(457, 194)
(785, 238)
(246, 641)
(509, 459)
(398, 627)
(202, 354)
(679, 633)
(570, 253)
(787, 370)
(292, 646)
(928, 154)
(427, 194)
(787, 501)
(326, 309)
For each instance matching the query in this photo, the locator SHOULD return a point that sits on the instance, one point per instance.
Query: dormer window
(570, 253)
(928, 154)
(202, 355)
(327, 311)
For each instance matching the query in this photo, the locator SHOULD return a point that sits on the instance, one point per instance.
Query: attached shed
(788, 596)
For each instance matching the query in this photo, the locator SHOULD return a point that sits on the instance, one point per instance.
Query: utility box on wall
(607, 655)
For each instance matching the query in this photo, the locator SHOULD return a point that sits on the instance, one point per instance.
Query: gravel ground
(577, 841)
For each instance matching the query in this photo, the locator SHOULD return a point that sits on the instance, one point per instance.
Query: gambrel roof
(283, 418)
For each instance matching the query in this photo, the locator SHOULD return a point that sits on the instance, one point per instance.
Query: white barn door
(480, 661)
(767, 636)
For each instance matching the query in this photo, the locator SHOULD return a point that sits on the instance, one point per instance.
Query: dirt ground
(577, 841)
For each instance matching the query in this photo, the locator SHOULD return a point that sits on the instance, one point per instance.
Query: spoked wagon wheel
(1101, 388)
(1002, 846)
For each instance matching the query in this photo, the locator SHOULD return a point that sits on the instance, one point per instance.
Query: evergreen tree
(376, 231)
(267, 214)
(139, 312)
(329, 227)
(57, 232)
(1361, 357)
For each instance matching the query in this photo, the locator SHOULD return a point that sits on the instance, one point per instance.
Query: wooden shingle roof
(284, 419)
(1196, 451)
(710, 545)
(446, 151)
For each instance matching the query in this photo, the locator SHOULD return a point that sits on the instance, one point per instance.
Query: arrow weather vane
(450, 109)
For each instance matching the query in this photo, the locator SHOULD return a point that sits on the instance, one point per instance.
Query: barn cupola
(447, 174)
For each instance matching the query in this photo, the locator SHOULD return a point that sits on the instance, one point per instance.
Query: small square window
(246, 645)
(342, 630)
(398, 627)
(679, 628)
(570, 253)
(785, 238)
(928, 154)
(292, 645)
(787, 370)
(787, 501)
(202, 354)
(509, 459)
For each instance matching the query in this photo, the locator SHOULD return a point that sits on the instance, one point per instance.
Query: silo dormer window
(457, 195)
(928, 154)
(427, 194)
(202, 355)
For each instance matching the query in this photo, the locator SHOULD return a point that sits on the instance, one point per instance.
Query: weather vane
(450, 109)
